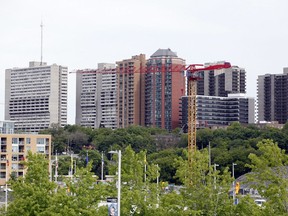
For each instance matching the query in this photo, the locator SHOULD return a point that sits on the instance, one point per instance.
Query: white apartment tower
(222, 82)
(96, 97)
(36, 97)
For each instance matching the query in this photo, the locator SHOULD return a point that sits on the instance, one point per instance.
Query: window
(40, 149)
(41, 141)
(2, 175)
(28, 148)
(14, 157)
(15, 148)
(14, 140)
(14, 166)
(28, 140)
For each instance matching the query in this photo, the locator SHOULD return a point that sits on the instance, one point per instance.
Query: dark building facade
(213, 111)
(272, 94)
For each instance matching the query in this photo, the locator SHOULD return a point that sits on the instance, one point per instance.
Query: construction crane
(194, 73)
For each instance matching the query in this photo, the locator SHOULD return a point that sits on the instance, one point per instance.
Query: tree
(269, 177)
(165, 160)
(205, 190)
(138, 188)
(81, 196)
(33, 193)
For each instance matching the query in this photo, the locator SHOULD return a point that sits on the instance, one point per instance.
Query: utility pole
(119, 178)
(215, 166)
(102, 166)
(6, 186)
(41, 43)
(209, 152)
(56, 167)
(233, 164)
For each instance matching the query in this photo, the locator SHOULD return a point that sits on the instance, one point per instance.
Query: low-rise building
(14, 149)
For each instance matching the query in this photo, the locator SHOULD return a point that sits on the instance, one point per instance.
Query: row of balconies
(31, 107)
(28, 103)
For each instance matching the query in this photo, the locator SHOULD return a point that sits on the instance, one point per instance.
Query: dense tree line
(229, 145)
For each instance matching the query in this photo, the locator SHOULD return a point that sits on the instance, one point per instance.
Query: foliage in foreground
(204, 190)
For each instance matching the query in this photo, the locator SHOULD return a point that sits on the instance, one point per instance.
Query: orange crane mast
(193, 73)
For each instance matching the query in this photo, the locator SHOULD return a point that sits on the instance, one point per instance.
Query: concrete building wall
(54, 96)
(96, 96)
(251, 111)
(36, 97)
(228, 79)
(79, 84)
(7, 92)
(86, 96)
(260, 98)
(222, 82)
(107, 96)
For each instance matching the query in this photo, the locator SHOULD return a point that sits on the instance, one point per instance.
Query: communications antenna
(41, 43)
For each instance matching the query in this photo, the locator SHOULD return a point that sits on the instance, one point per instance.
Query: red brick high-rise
(130, 78)
(163, 89)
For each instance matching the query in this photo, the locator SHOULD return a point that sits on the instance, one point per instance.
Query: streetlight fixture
(233, 190)
(215, 166)
(119, 177)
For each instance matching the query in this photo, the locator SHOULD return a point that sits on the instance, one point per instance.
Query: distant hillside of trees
(231, 145)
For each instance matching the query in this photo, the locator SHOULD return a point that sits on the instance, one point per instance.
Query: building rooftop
(164, 52)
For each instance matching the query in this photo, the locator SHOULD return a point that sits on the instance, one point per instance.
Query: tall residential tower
(272, 96)
(131, 88)
(36, 97)
(96, 97)
(164, 88)
(222, 82)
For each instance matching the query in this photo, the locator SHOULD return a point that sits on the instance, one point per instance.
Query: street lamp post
(119, 177)
(215, 166)
(233, 189)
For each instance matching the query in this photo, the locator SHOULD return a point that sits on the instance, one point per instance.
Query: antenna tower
(41, 42)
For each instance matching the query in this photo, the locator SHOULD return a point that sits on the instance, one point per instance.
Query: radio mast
(41, 43)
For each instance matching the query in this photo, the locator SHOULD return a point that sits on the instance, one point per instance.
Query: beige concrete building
(36, 96)
(96, 97)
(14, 149)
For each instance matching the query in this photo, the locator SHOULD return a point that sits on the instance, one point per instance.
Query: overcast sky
(252, 34)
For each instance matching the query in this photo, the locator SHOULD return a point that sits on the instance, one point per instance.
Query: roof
(164, 52)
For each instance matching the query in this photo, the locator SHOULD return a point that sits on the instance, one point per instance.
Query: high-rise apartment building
(222, 82)
(214, 111)
(131, 88)
(96, 97)
(36, 96)
(272, 98)
(164, 88)
(14, 148)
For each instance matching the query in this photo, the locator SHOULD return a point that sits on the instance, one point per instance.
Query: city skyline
(250, 34)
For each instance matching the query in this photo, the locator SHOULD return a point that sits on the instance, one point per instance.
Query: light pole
(215, 166)
(233, 189)
(56, 168)
(119, 177)
(6, 187)
(102, 166)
